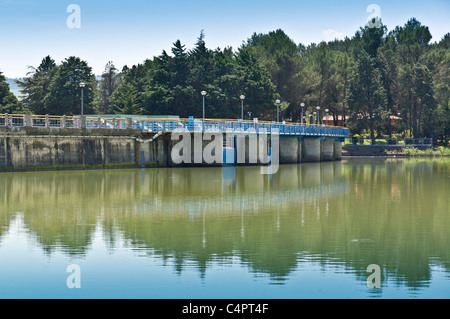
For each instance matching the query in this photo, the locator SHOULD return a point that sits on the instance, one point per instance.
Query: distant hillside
(14, 87)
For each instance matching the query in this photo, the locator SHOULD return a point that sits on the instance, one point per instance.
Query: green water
(310, 231)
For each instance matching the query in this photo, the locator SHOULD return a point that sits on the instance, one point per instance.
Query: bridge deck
(169, 125)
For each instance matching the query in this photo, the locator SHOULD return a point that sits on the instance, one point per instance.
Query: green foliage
(366, 96)
(55, 89)
(127, 100)
(415, 152)
(8, 101)
(380, 83)
(110, 81)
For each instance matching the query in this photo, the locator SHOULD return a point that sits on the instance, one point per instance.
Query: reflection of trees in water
(270, 223)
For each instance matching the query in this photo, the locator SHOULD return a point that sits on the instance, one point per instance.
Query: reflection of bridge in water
(235, 190)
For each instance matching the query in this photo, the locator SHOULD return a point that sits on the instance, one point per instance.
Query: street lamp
(326, 111)
(278, 110)
(302, 105)
(318, 113)
(242, 97)
(203, 95)
(82, 85)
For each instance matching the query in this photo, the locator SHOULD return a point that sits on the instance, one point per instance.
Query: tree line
(377, 83)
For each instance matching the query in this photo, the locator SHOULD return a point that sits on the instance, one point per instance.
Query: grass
(415, 152)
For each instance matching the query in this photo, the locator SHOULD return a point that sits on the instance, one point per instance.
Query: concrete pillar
(83, 121)
(288, 150)
(327, 150)
(28, 120)
(311, 150)
(337, 151)
(129, 123)
(299, 151)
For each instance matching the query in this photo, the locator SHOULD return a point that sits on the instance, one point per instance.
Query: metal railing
(150, 125)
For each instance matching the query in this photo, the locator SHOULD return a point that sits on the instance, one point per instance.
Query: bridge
(152, 143)
(155, 125)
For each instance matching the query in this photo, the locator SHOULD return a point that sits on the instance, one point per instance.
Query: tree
(412, 41)
(370, 39)
(128, 100)
(109, 82)
(64, 95)
(366, 97)
(280, 55)
(257, 86)
(426, 104)
(36, 86)
(8, 101)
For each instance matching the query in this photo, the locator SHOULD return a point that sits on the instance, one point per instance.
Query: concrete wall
(23, 148)
(311, 150)
(337, 146)
(47, 152)
(327, 150)
(288, 150)
(27, 148)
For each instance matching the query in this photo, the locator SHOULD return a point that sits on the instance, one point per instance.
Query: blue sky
(128, 32)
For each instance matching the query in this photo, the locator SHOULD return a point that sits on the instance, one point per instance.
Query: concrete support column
(288, 150)
(327, 150)
(299, 151)
(83, 121)
(28, 120)
(337, 150)
(311, 150)
(6, 119)
(129, 123)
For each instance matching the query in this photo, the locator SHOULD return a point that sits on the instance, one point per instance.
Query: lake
(309, 231)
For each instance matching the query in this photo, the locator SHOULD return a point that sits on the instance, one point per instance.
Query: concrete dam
(53, 142)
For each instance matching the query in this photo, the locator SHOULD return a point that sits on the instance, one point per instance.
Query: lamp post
(302, 105)
(82, 85)
(242, 97)
(203, 93)
(326, 112)
(278, 110)
(318, 114)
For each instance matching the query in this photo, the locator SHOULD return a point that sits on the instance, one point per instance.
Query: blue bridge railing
(166, 126)
(152, 125)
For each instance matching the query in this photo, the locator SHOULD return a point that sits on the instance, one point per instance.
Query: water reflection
(346, 215)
